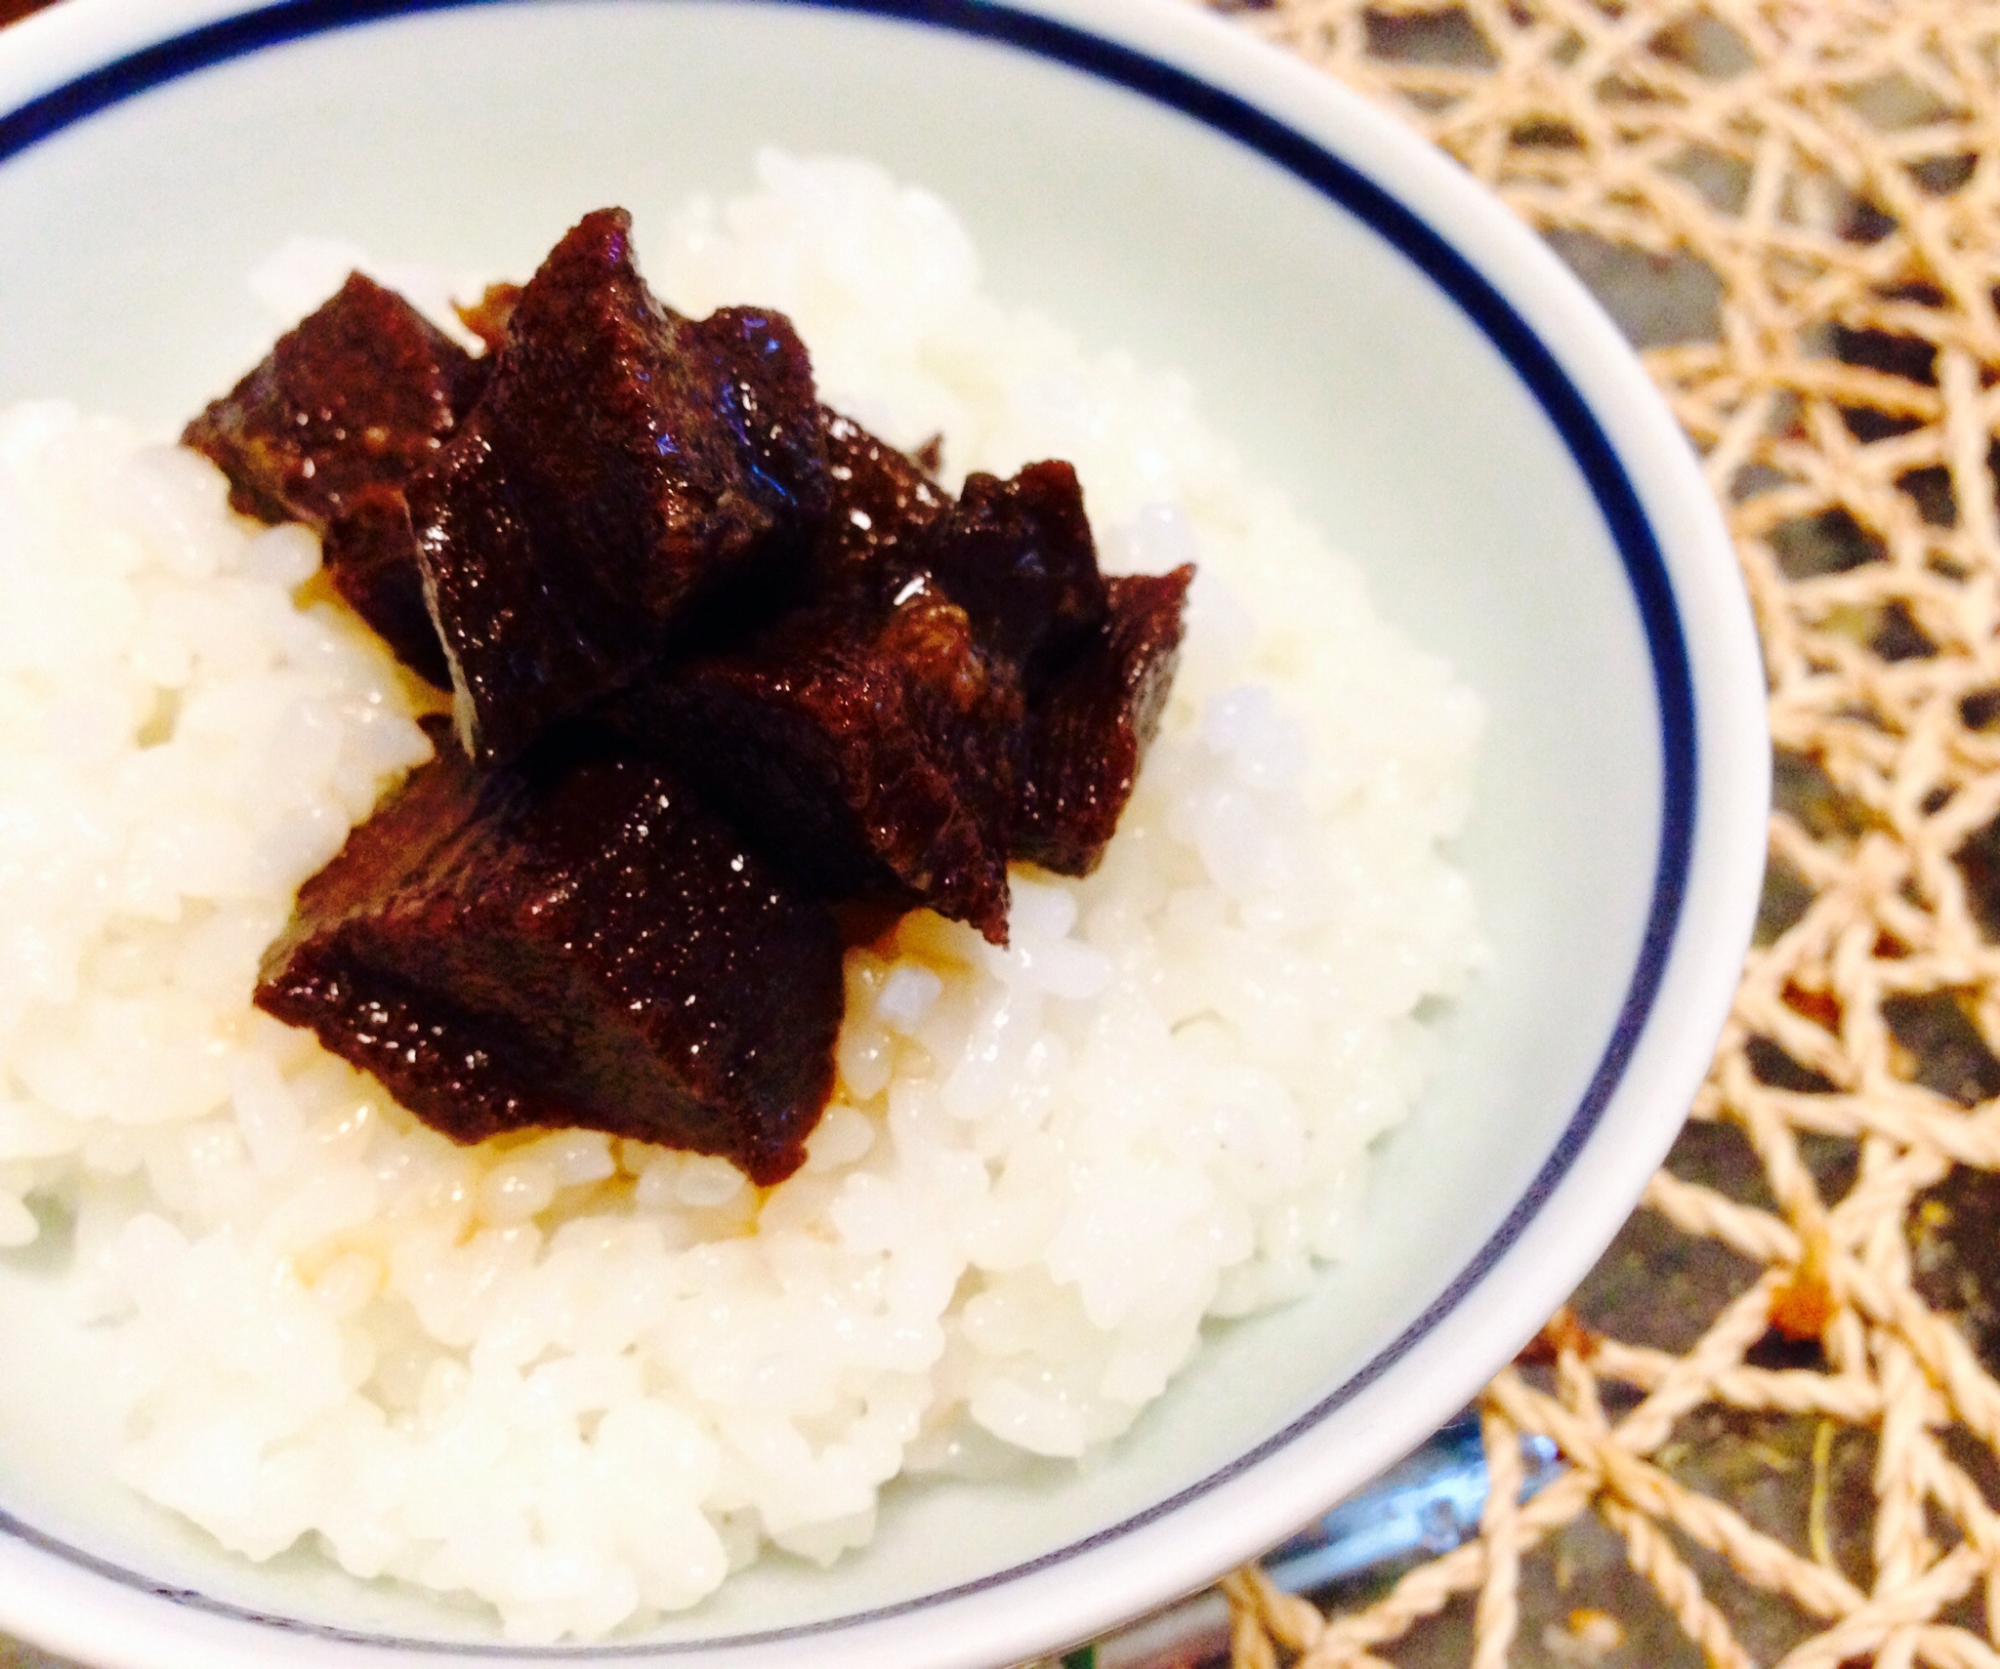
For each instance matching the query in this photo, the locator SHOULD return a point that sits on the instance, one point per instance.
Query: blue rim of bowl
(1237, 119)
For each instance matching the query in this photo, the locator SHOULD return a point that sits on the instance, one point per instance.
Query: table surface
(1774, 1396)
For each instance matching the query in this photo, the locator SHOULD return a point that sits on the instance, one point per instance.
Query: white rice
(583, 1379)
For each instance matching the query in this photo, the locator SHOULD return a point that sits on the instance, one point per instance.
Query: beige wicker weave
(1835, 166)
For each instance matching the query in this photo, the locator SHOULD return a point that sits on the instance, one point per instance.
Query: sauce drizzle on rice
(580, 1377)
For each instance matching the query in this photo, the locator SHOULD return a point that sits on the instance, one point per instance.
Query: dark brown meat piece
(1018, 557)
(357, 396)
(623, 464)
(1089, 729)
(576, 941)
(347, 406)
(721, 660)
(871, 760)
(372, 559)
(884, 514)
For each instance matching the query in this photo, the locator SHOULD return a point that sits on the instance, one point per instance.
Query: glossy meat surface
(880, 524)
(345, 408)
(1019, 558)
(575, 941)
(1088, 730)
(722, 660)
(622, 465)
(359, 395)
(871, 760)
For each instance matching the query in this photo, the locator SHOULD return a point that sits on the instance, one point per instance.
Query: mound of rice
(582, 1378)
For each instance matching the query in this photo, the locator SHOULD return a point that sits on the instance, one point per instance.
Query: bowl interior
(472, 137)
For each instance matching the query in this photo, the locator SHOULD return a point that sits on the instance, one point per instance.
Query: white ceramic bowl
(1405, 359)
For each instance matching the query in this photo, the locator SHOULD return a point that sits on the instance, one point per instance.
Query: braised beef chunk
(621, 464)
(326, 431)
(357, 396)
(372, 560)
(869, 760)
(1018, 557)
(574, 941)
(885, 510)
(1088, 730)
(751, 375)
(729, 674)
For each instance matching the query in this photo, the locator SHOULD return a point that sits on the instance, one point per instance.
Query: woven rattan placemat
(1817, 185)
